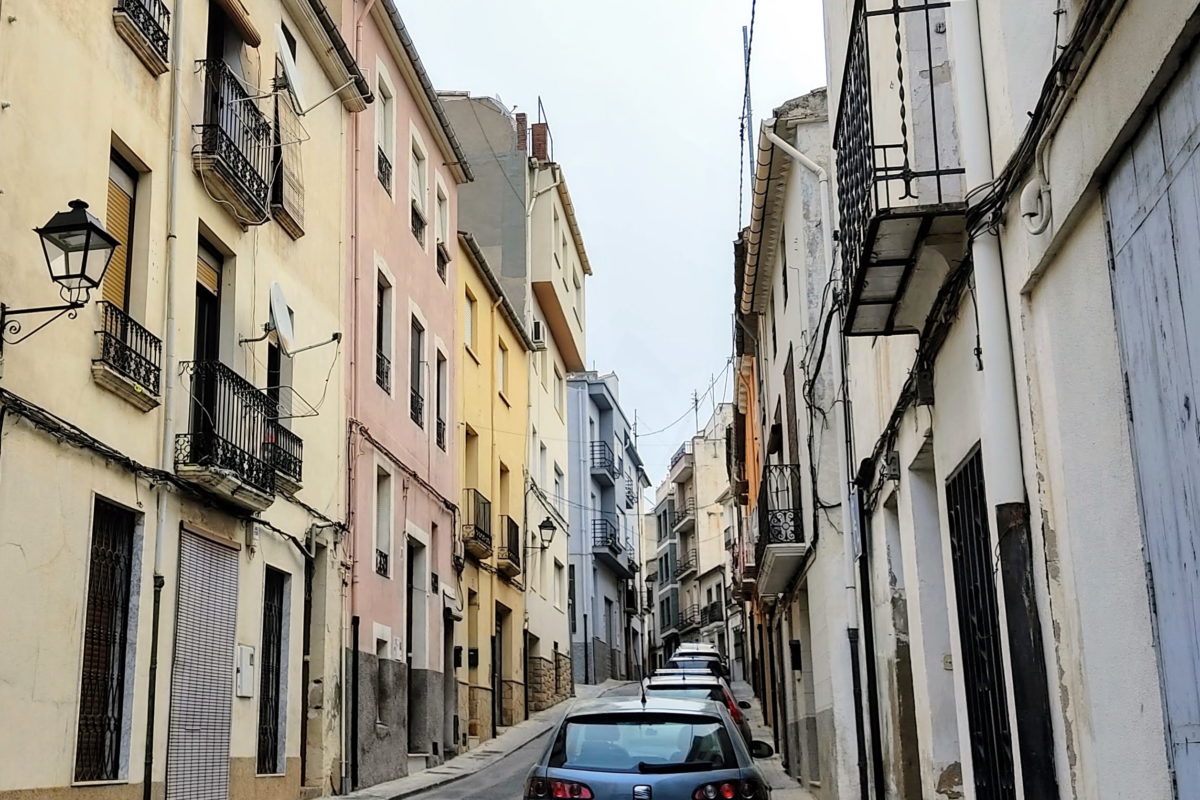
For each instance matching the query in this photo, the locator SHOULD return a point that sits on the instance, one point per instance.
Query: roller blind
(119, 220)
(208, 272)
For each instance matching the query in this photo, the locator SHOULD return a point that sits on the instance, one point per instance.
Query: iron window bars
(510, 532)
(383, 371)
(152, 20)
(779, 508)
(917, 163)
(236, 132)
(105, 642)
(441, 433)
(477, 519)
(416, 407)
(129, 349)
(270, 663)
(418, 222)
(383, 168)
(231, 424)
(602, 458)
(381, 562)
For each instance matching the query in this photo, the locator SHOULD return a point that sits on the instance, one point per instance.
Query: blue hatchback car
(649, 748)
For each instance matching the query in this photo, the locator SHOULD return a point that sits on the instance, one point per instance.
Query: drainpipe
(1026, 679)
(844, 414)
(166, 457)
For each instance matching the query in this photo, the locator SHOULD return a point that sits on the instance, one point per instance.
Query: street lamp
(77, 249)
(547, 529)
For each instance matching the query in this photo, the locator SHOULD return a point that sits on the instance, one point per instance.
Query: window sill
(113, 782)
(270, 774)
(471, 353)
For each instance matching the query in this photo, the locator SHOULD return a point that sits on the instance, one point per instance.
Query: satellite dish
(281, 319)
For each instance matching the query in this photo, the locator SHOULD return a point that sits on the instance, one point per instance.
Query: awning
(240, 17)
(450, 604)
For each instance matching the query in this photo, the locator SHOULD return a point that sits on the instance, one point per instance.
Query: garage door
(202, 672)
(1153, 202)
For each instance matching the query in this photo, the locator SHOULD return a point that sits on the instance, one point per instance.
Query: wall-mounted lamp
(77, 249)
(547, 529)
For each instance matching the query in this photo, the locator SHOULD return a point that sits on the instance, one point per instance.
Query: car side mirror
(745, 705)
(761, 750)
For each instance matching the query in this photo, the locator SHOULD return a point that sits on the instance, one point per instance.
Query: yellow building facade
(493, 415)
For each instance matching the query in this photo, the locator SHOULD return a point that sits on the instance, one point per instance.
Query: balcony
(443, 260)
(749, 581)
(129, 364)
(383, 169)
(682, 462)
(419, 223)
(607, 549)
(689, 617)
(383, 371)
(145, 25)
(416, 407)
(233, 158)
(477, 524)
(781, 548)
(232, 424)
(687, 565)
(604, 463)
(630, 495)
(685, 515)
(508, 554)
(899, 175)
(285, 452)
(712, 614)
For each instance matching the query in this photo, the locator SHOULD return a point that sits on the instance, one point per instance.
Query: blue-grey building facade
(606, 480)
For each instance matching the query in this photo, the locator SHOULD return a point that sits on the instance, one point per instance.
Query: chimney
(541, 141)
(522, 132)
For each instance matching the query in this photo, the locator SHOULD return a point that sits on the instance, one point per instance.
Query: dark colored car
(690, 660)
(648, 749)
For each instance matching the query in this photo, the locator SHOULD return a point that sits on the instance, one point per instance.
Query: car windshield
(688, 693)
(694, 663)
(645, 743)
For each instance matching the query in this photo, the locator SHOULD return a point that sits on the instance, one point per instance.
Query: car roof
(694, 655)
(671, 671)
(696, 647)
(634, 705)
(700, 680)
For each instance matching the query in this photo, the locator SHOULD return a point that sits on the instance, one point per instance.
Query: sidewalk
(484, 756)
(783, 786)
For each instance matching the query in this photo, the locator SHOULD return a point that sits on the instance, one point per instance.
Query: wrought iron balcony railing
(383, 371)
(235, 136)
(231, 425)
(285, 452)
(508, 554)
(416, 407)
(689, 616)
(685, 510)
(381, 562)
(604, 535)
(688, 562)
(383, 168)
(630, 494)
(419, 223)
(602, 458)
(898, 168)
(685, 449)
(441, 433)
(477, 524)
(152, 21)
(779, 508)
(129, 349)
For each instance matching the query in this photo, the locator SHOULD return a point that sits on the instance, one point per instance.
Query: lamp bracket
(12, 327)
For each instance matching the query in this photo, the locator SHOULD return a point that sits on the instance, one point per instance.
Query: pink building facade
(405, 165)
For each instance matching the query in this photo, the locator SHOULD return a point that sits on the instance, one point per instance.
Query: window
(774, 341)
(557, 237)
(559, 589)
(559, 501)
(442, 399)
(383, 522)
(122, 191)
(418, 184)
(383, 333)
(287, 175)
(542, 456)
(381, 693)
(618, 743)
(102, 701)
(416, 357)
(501, 367)
(385, 121)
(270, 704)
(470, 320)
(559, 390)
(443, 233)
(571, 596)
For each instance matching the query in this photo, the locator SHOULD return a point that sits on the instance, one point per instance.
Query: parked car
(698, 647)
(648, 747)
(701, 686)
(694, 660)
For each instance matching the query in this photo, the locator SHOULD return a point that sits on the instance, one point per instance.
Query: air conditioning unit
(539, 335)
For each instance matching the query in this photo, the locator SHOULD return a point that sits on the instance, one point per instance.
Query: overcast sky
(644, 99)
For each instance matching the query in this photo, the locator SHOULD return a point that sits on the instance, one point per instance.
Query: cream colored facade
(79, 457)
(493, 370)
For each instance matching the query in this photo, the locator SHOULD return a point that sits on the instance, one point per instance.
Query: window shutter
(287, 196)
(208, 275)
(120, 214)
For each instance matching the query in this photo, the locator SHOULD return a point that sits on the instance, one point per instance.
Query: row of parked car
(684, 736)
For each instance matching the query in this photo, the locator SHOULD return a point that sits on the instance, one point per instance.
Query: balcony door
(206, 346)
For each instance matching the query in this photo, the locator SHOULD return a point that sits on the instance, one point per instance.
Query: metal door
(202, 671)
(979, 632)
(1153, 204)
